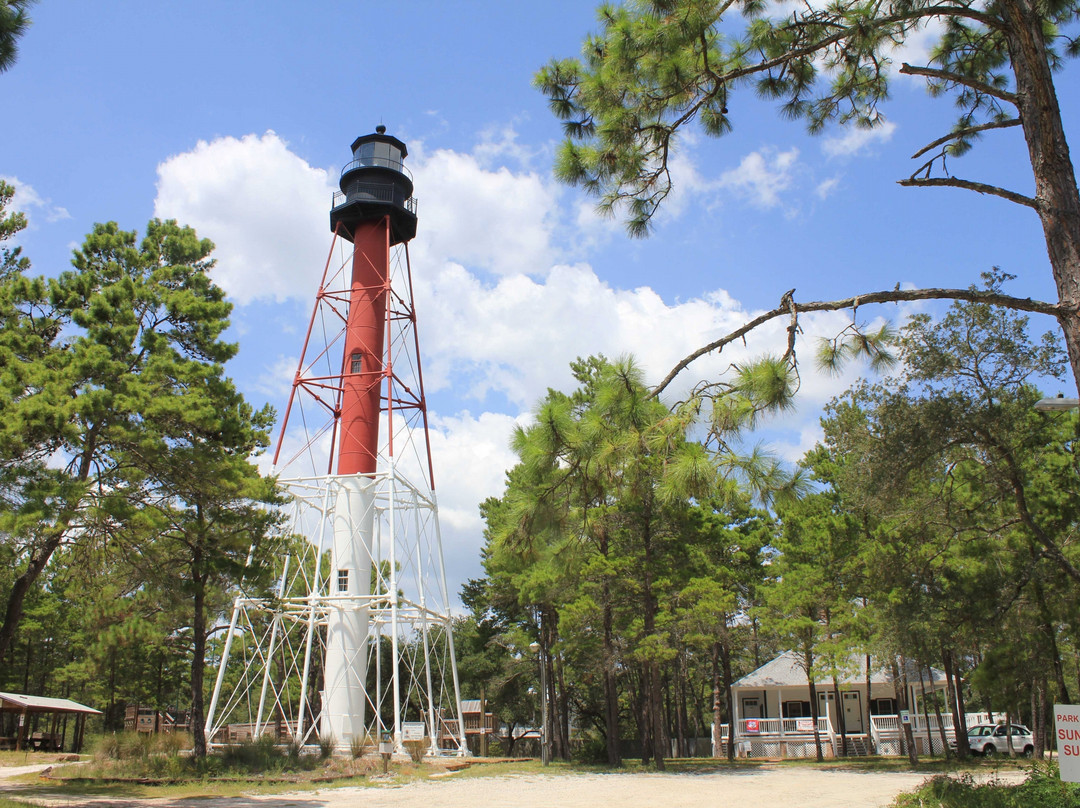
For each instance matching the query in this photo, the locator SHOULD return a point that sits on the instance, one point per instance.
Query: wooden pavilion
(28, 706)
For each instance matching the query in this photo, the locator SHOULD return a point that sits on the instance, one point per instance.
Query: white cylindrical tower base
(345, 695)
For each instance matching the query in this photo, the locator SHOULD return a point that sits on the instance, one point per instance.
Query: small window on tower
(342, 580)
(356, 363)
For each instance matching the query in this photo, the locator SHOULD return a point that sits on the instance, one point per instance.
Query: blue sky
(237, 117)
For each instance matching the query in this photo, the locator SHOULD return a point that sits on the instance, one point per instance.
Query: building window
(342, 580)
(882, 706)
(356, 363)
(796, 709)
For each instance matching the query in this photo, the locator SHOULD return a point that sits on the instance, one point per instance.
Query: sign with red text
(1067, 734)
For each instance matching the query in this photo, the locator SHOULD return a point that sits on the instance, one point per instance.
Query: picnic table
(45, 742)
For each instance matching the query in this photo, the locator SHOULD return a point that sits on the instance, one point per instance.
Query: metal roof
(15, 702)
(786, 671)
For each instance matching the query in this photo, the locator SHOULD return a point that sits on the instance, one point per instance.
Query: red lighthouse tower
(361, 615)
(377, 212)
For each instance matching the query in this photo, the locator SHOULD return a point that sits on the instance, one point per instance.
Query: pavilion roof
(16, 702)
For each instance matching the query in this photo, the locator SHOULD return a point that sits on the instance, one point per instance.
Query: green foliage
(359, 745)
(1042, 789)
(591, 751)
(117, 367)
(657, 66)
(623, 551)
(962, 500)
(326, 746)
(853, 343)
(126, 746)
(13, 24)
(11, 258)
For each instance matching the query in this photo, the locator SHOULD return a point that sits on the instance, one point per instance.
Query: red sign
(752, 725)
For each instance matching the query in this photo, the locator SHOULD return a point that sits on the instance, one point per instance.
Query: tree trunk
(937, 714)
(21, 587)
(653, 690)
(611, 691)
(40, 558)
(564, 708)
(682, 717)
(955, 704)
(900, 689)
(869, 713)
(1056, 195)
(1046, 625)
(841, 719)
(808, 662)
(1039, 718)
(725, 662)
(717, 702)
(198, 656)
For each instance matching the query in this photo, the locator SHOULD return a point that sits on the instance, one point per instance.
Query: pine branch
(890, 296)
(978, 187)
(945, 75)
(970, 130)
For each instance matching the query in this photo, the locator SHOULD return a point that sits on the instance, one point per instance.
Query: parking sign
(1067, 733)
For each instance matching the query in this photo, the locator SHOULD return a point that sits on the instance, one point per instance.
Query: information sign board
(1067, 734)
(412, 731)
(752, 725)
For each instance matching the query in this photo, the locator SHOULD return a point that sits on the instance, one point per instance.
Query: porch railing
(793, 737)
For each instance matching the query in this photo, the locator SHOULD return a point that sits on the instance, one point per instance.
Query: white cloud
(276, 381)
(488, 218)
(824, 189)
(916, 48)
(30, 203)
(264, 207)
(854, 139)
(762, 175)
(471, 455)
(499, 144)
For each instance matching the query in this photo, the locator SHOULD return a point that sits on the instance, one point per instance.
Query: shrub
(326, 746)
(108, 747)
(1042, 789)
(359, 745)
(257, 755)
(591, 751)
(416, 750)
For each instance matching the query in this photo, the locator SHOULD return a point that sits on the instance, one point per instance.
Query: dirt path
(756, 787)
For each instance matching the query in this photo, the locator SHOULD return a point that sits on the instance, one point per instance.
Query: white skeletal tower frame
(325, 656)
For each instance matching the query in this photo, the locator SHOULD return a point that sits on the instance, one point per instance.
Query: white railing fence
(794, 737)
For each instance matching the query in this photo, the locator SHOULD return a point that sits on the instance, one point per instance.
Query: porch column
(20, 735)
(783, 740)
(736, 712)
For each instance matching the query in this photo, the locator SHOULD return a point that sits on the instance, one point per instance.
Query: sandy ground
(757, 787)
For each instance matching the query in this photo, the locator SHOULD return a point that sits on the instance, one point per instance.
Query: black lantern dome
(376, 184)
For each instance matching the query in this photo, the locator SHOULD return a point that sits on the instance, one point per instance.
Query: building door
(853, 714)
(827, 706)
(751, 708)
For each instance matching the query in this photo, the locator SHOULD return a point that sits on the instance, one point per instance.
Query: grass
(128, 765)
(8, 758)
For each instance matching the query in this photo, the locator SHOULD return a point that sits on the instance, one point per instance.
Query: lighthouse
(360, 619)
(374, 210)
